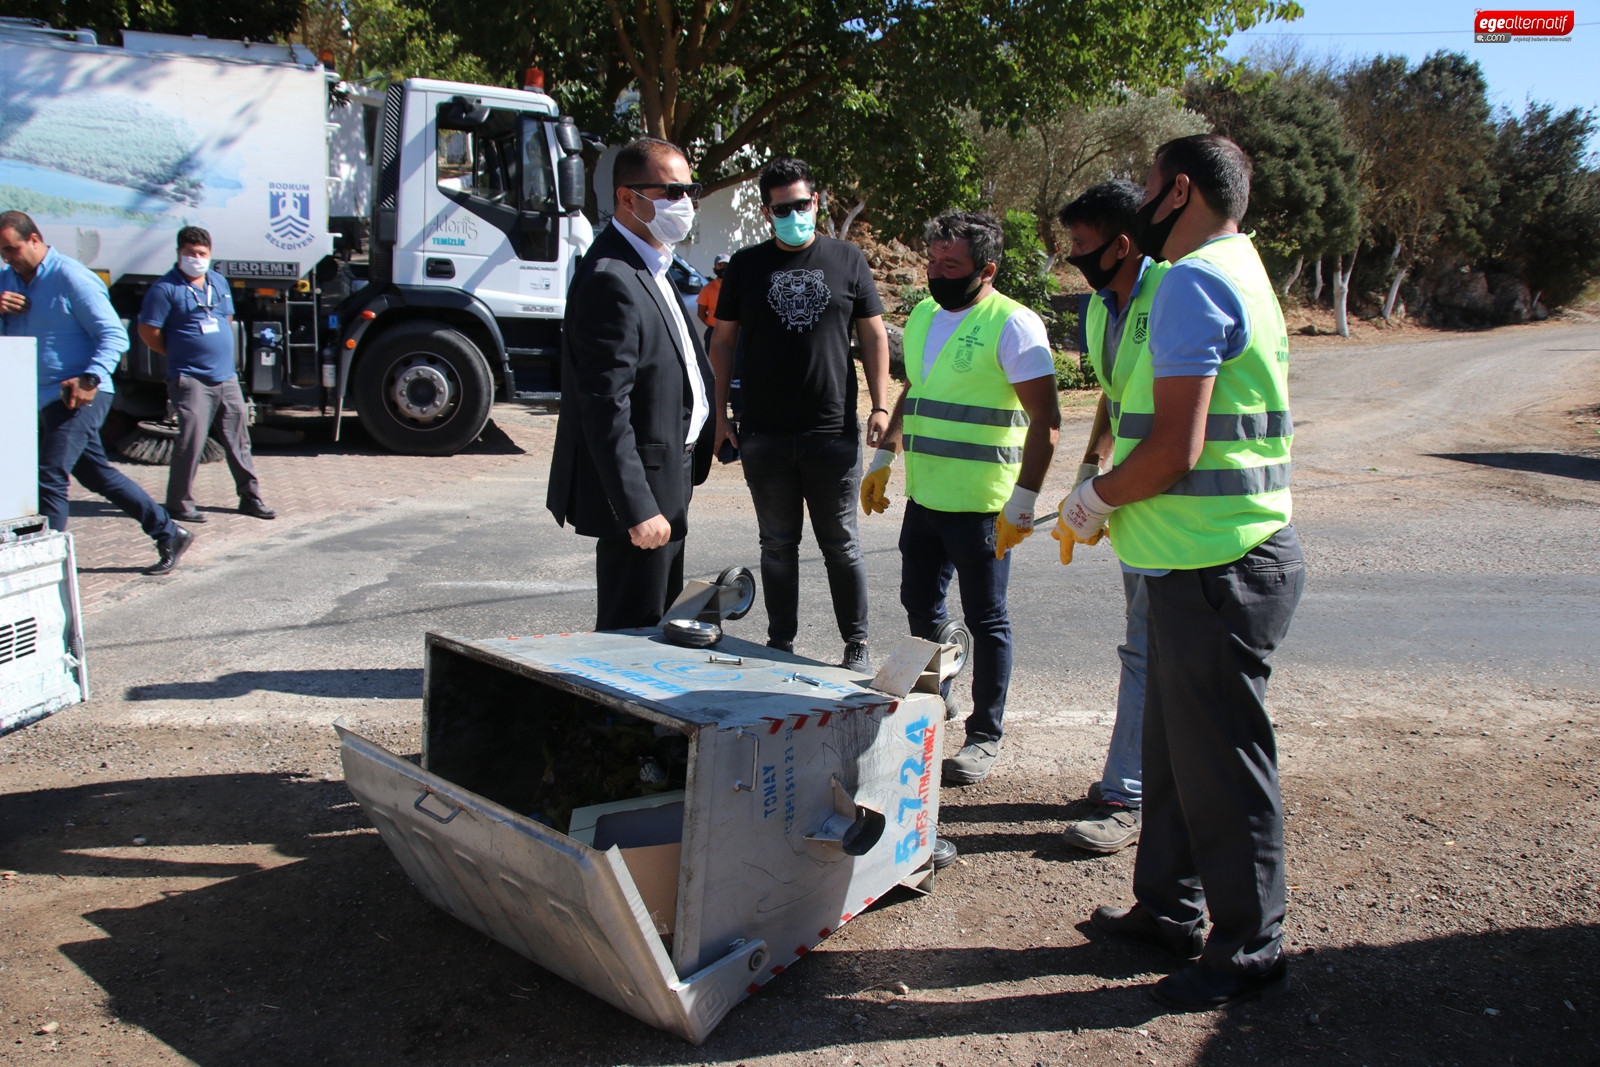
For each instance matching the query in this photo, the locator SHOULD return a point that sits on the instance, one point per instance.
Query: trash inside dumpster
(667, 827)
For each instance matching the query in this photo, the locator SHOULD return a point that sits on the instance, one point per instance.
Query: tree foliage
(262, 20)
(1305, 198)
(730, 79)
(1546, 223)
(377, 41)
(1041, 166)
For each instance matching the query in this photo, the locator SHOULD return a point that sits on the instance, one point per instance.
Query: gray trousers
(209, 410)
(1213, 817)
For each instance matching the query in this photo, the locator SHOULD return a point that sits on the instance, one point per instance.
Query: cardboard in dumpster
(806, 796)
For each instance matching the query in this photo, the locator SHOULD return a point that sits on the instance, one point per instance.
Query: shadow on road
(388, 683)
(330, 956)
(354, 439)
(1560, 464)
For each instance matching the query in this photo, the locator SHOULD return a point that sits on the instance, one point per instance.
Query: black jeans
(69, 445)
(1213, 816)
(789, 475)
(934, 547)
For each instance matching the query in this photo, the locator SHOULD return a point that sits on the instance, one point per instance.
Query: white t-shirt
(1024, 348)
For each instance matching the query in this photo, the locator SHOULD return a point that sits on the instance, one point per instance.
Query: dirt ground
(190, 881)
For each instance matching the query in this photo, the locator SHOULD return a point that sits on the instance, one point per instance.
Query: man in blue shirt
(59, 301)
(188, 317)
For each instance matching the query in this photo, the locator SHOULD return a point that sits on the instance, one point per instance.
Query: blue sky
(1566, 74)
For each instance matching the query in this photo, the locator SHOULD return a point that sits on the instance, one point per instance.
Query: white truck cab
(477, 224)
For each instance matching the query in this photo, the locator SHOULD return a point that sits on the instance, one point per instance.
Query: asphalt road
(1446, 498)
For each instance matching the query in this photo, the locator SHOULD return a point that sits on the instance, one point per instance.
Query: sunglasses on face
(781, 211)
(674, 190)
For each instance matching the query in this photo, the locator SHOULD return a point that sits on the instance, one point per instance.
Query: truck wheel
(423, 389)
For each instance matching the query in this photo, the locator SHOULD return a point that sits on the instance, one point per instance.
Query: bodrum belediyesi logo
(288, 215)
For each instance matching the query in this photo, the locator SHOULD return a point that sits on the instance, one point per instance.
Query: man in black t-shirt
(791, 301)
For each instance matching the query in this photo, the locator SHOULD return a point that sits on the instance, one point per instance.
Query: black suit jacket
(625, 400)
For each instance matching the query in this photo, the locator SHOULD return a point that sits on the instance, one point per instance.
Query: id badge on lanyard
(209, 324)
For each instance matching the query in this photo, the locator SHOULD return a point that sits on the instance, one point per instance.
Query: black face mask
(718, 271)
(953, 294)
(1097, 276)
(1150, 235)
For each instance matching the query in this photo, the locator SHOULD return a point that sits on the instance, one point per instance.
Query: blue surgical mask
(796, 227)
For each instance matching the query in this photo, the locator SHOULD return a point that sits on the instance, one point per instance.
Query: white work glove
(1083, 513)
(1085, 472)
(875, 483)
(1015, 522)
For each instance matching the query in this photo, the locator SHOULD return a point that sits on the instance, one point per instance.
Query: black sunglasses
(674, 190)
(782, 211)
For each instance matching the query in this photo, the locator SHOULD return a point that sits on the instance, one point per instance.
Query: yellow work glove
(1014, 524)
(1082, 519)
(1069, 541)
(875, 483)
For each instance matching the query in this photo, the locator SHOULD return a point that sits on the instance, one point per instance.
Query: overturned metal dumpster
(666, 827)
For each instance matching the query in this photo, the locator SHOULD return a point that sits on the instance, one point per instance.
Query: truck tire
(423, 389)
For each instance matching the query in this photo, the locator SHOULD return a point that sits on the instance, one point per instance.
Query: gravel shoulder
(1438, 706)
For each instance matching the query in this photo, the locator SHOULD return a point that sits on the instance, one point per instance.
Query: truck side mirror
(570, 182)
(567, 135)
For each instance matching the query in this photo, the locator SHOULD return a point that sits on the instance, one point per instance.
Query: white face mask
(194, 266)
(674, 219)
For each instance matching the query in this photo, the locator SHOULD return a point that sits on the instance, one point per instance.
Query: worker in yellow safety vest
(978, 423)
(1198, 500)
(1099, 224)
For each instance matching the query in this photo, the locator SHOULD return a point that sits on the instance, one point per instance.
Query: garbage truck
(406, 255)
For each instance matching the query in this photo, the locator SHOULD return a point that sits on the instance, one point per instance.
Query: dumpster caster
(956, 633)
(944, 853)
(741, 579)
(758, 959)
(688, 633)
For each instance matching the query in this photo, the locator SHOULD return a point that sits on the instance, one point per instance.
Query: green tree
(265, 20)
(378, 41)
(1046, 163)
(1305, 195)
(1546, 224)
(730, 79)
(1425, 143)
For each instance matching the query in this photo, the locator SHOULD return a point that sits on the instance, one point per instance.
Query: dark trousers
(934, 547)
(1213, 816)
(207, 410)
(789, 475)
(69, 445)
(635, 586)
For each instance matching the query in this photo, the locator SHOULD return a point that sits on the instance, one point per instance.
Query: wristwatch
(88, 381)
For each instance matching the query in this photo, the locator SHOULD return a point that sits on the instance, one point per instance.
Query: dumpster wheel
(741, 579)
(956, 633)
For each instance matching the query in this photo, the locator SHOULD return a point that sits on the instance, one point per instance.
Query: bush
(1074, 372)
(1022, 275)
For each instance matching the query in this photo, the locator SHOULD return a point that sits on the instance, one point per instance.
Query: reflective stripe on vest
(1238, 494)
(1249, 427)
(964, 426)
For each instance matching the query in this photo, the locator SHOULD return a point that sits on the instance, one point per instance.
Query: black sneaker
(1139, 927)
(781, 646)
(856, 658)
(1199, 988)
(172, 550)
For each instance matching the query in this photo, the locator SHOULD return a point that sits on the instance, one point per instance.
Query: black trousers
(635, 586)
(1213, 817)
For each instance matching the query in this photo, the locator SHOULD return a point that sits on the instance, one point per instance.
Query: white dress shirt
(656, 262)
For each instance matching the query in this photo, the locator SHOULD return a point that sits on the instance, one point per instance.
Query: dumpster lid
(734, 683)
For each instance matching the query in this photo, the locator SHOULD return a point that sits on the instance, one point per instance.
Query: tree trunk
(1341, 292)
(1316, 288)
(1294, 275)
(1394, 292)
(850, 218)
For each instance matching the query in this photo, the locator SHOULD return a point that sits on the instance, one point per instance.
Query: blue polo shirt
(70, 313)
(194, 322)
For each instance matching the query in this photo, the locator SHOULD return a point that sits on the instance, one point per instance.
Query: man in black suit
(634, 435)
